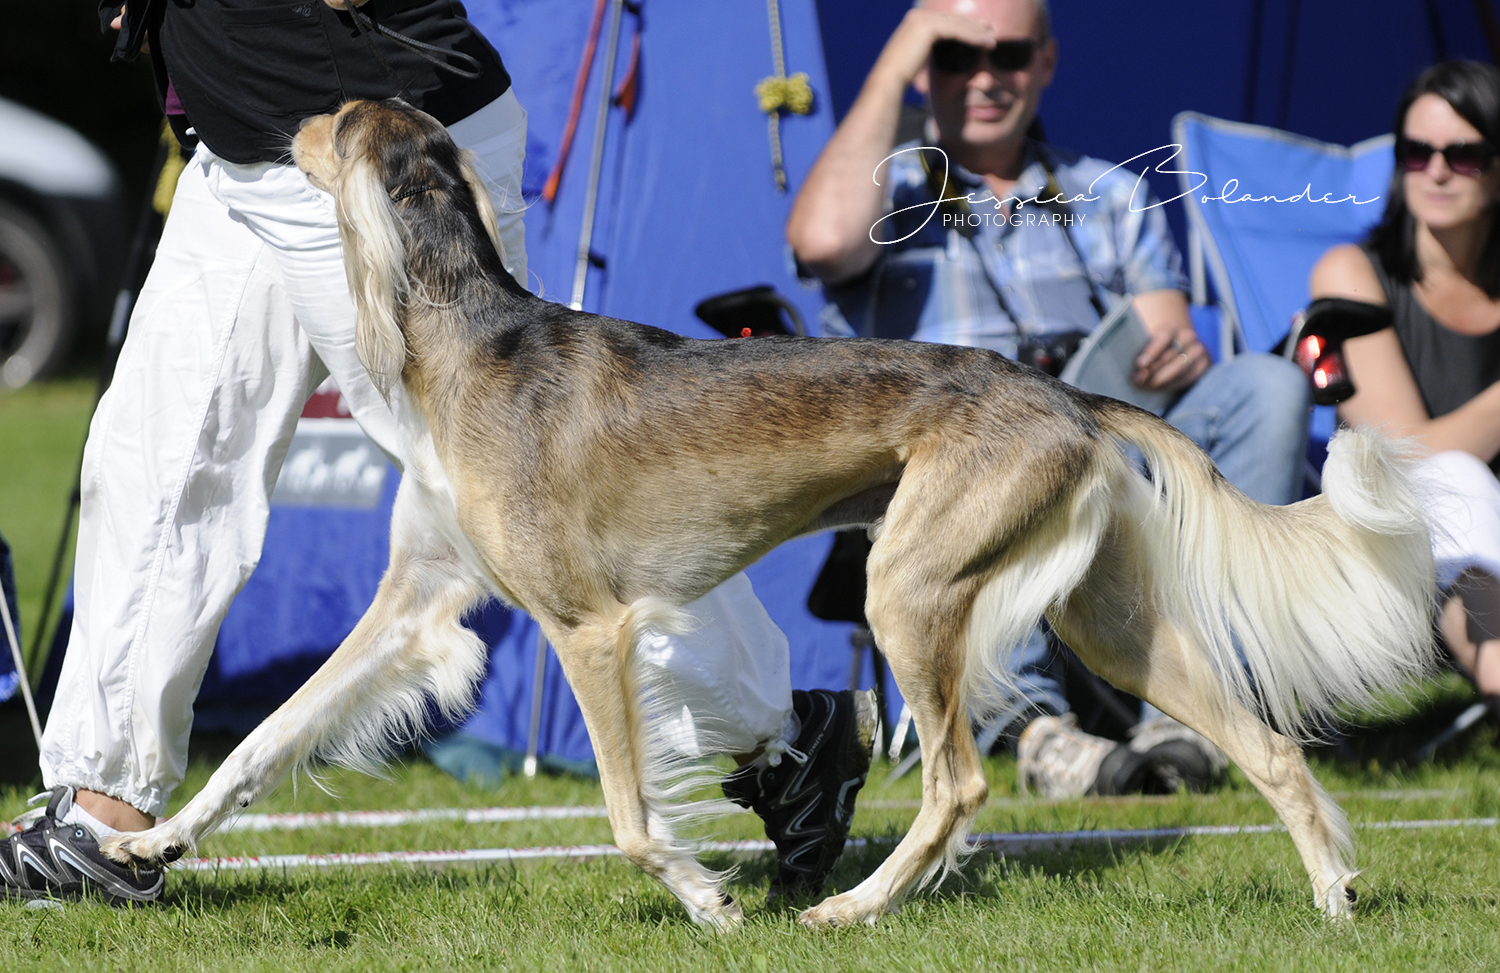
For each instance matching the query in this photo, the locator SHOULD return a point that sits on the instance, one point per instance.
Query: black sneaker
(807, 800)
(50, 859)
(1180, 758)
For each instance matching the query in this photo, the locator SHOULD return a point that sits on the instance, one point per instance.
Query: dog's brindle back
(604, 422)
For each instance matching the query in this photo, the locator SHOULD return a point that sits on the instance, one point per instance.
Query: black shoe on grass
(807, 800)
(54, 860)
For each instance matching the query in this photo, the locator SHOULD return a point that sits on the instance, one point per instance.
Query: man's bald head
(1041, 12)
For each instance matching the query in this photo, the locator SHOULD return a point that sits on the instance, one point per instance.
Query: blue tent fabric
(687, 203)
(10, 679)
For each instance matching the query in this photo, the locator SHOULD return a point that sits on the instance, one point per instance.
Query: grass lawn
(1429, 899)
(42, 428)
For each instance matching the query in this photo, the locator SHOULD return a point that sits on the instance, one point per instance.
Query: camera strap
(1057, 202)
(958, 207)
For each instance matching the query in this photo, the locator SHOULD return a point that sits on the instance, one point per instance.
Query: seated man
(955, 244)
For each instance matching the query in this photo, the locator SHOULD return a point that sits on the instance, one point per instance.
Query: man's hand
(829, 226)
(1174, 358)
(119, 19)
(343, 4)
(905, 54)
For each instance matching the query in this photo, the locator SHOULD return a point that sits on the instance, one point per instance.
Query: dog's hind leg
(953, 783)
(970, 558)
(407, 650)
(1181, 685)
(923, 638)
(1117, 635)
(597, 656)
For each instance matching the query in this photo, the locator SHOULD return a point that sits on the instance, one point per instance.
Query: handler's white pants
(245, 311)
(1464, 507)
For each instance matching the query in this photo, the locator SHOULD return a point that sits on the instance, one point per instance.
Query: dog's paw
(1337, 903)
(725, 916)
(141, 849)
(847, 909)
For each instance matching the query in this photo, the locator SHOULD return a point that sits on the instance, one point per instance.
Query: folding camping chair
(1258, 254)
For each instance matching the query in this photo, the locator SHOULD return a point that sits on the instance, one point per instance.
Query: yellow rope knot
(792, 93)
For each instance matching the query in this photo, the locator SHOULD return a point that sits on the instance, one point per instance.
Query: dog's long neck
(458, 285)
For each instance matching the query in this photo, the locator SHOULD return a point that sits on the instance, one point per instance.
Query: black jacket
(247, 72)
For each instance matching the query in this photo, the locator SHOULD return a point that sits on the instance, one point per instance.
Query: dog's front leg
(408, 648)
(596, 656)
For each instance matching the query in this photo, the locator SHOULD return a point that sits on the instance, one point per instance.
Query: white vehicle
(60, 241)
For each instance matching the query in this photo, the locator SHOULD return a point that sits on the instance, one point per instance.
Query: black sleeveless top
(1450, 368)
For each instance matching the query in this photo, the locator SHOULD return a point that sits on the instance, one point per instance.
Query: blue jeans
(1250, 414)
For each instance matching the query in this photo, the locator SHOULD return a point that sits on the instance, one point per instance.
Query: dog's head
(397, 179)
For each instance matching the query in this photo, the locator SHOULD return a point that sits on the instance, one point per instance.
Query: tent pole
(534, 734)
(21, 679)
(596, 162)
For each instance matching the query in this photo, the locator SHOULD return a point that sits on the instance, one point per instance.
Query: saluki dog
(602, 475)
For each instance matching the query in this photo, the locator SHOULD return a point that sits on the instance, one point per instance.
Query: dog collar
(412, 191)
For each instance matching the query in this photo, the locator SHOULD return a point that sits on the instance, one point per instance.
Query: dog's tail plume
(1299, 609)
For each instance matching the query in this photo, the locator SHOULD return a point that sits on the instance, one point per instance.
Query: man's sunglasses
(956, 57)
(1464, 158)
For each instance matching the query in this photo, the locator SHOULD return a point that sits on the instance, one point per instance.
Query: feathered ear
(375, 259)
(482, 200)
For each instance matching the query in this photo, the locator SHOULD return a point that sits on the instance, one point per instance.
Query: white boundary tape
(503, 815)
(1002, 844)
(390, 819)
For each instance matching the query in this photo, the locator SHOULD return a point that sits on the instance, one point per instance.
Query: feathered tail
(1303, 608)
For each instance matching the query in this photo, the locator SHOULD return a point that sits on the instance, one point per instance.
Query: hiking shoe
(51, 859)
(1179, 757)
(1057, 759)
(807, 798)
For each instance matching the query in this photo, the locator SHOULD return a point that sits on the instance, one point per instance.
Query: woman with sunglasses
(1434, 375)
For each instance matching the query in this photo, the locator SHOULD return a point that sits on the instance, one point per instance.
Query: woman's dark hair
(1473, 90)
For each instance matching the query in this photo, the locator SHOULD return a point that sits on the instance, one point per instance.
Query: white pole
(601, 121)
(539, 678)
(15, 653)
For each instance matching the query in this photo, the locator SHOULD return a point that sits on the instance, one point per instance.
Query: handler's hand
(905, 54)
(1172, 359)
(342, 5)
(119, 19)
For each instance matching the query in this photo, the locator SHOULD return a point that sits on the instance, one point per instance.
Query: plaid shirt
(977, 274)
